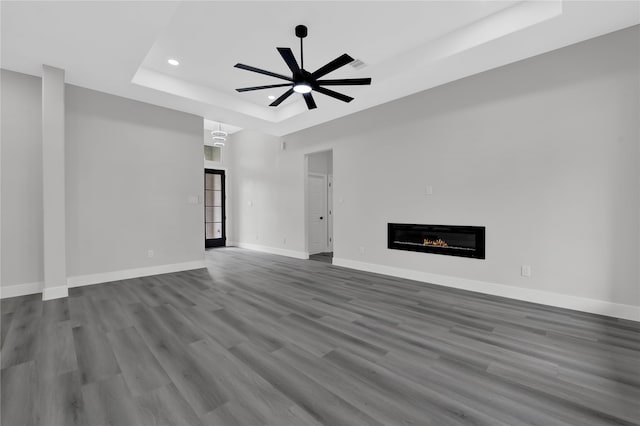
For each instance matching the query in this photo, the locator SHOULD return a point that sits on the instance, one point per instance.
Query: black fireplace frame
(477, 231)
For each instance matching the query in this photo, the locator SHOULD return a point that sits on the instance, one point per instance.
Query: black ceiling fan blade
(247, 89)
(287, 55)
(340, 61)
(340, 96)
(260, 71)
(345, 82)
(308, 98)
(284, 96)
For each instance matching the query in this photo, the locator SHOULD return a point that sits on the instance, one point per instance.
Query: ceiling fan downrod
(301, 33)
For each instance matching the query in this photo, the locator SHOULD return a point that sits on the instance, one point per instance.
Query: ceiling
(123, 47)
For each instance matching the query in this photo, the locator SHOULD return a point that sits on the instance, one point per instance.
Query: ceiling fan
(303, 81)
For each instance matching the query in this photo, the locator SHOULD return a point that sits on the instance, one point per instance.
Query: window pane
(208, 181)
(217, 198)
(217, 214)
(212, 153)
(208, 198)
(217, 182)
(208, 214)
(217, 230)
(209, 231)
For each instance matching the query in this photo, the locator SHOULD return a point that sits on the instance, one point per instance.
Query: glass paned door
(214, 215)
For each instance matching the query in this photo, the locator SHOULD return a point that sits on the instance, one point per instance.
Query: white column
(53, 185)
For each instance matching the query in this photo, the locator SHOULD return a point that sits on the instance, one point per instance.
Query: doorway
(320, 205)
(214, 208)
(317, 213)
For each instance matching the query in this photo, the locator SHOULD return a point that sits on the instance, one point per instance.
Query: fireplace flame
(439, 242)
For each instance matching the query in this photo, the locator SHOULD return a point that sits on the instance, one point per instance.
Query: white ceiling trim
(213, 125)
(175, 86)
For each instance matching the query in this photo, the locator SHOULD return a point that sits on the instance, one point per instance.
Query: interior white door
(317, 213)
(330, 213)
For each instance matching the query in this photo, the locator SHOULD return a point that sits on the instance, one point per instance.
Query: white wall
(21, 133)
(543, 152)
(268, 186)
(131, 169)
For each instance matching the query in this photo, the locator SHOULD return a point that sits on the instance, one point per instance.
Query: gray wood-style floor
(266, 340)
(325, 257)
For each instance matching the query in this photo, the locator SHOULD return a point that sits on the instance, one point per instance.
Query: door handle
(321, 217)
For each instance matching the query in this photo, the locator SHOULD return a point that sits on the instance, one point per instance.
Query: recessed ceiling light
(271, 97)
(173, 62)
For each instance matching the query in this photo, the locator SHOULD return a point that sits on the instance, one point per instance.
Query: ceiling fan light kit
(302, 88)
(303, 81)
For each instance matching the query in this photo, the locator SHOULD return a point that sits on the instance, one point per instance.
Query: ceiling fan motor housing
(301, 31)
(304, 77)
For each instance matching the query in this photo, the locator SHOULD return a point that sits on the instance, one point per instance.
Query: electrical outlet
(284, 240)
(150, 254)
(362, 250)
(256, 237)
(525, 270)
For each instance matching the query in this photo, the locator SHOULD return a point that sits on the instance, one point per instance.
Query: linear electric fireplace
(465, 241)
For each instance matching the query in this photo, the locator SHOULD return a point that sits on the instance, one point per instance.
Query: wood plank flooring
(322, 257)
(258, 339)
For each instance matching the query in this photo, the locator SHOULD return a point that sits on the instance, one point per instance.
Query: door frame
(325, 231)
(306, 197)
(330, 212)
(216, 242)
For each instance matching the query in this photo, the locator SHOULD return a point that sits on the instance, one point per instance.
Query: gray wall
(130, 170)
(543, 152)
(21, 167)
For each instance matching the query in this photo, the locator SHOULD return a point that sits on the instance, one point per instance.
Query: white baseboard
(20, 289)
(125, 274)
(583, 304)
(273, 250)
(105, 277)
(50, 293)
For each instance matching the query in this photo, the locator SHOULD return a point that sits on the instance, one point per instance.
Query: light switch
(429, 190)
